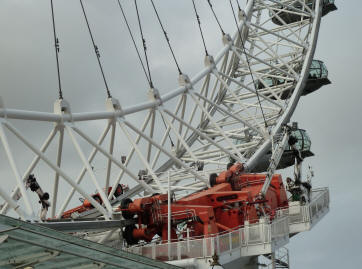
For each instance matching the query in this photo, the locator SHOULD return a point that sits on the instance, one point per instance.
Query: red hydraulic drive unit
(232, 199)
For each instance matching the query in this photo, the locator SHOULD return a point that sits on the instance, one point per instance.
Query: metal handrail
(263, 232)
(319, 203)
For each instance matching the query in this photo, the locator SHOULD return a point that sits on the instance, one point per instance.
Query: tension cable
(199, 23)
(96, 50)
(166, 37)
(144, 45)
(164, 123)
(237, 2)
(133, 40)
(217, 20)
(147, 63)
(57, 49)
(248, 61)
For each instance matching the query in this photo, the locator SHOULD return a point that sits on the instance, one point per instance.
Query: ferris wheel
(233, 110)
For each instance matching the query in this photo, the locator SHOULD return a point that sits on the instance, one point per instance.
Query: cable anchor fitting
(184, 81)
(209, 61)
(226, 39)
(154, 95)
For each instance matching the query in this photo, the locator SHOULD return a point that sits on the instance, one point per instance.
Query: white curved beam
(252, 162)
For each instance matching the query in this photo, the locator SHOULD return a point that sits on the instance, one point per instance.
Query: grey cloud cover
(332, 116)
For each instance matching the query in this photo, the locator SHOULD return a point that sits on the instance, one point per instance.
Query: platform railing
(260, 233)
(320, 203)
(308, 212)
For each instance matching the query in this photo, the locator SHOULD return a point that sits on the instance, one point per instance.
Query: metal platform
(26, 245)
(303, 217)
(251, 240)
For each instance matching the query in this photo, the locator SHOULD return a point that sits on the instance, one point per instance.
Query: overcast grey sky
(332, 116)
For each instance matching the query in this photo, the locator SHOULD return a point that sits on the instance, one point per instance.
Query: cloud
(332, 116)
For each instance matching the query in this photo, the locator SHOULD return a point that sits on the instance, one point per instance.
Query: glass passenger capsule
(283, 13)
(318, 77)
(303, 145)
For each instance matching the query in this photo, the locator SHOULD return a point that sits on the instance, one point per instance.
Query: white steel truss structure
(227, 110)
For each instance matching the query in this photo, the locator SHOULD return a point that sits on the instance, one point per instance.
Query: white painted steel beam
(116, 162)
(16, 191)
(111, 148)
(11, 160)
(56, 169)
(140, 155)
(129, 156)
(56, 180)
(83, 171)
(293, 101)
(169, 154)
(89, 170)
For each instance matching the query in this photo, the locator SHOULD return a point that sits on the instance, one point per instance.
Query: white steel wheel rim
(224, 120)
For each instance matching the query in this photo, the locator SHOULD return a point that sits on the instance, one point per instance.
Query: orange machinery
(86, 205)
(232, 199)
